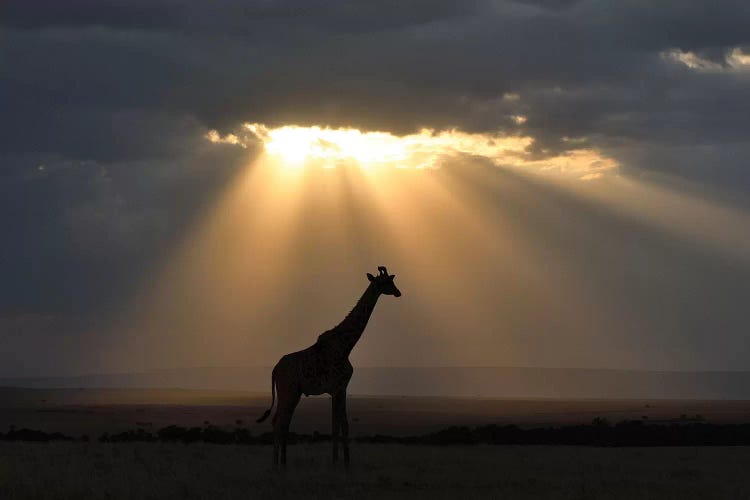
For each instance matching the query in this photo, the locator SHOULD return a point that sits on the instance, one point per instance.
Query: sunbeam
(502, 254)
(226, 275)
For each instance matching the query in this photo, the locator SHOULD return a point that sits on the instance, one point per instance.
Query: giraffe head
(384, 282)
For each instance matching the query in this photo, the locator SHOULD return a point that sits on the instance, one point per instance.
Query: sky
(554, 183)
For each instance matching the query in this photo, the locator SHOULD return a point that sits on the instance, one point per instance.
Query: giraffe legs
(344, 423)
(335, 429)
(340, 424)
(284, 412)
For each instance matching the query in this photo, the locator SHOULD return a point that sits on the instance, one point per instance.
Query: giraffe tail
(273, 398)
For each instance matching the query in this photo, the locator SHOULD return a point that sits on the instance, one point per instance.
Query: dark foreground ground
(201, 471)
(125, 470)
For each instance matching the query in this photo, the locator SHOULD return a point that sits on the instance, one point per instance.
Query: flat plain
(74, 470)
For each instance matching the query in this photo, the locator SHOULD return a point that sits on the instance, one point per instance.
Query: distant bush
(31, 435)
(128, 437)
(685, 432)
(599, 433)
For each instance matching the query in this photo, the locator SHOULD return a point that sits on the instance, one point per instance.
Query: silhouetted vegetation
(207, 434)
(37, 436)
(599, 433)
(685, 432)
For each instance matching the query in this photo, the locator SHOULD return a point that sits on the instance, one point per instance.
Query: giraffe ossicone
(324, 368)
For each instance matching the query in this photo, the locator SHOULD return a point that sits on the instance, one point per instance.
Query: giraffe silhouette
(323, 368)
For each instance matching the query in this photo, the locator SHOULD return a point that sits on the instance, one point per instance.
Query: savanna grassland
(201, 471)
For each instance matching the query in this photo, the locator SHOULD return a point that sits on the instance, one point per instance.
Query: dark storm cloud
(581, 69)
(238, 17)
(79, 235)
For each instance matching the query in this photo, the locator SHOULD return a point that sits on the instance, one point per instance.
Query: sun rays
(488, 242)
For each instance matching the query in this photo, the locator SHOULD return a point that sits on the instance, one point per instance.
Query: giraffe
(323, 368)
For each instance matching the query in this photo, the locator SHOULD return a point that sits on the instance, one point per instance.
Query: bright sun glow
(295, 146)
(300, 144)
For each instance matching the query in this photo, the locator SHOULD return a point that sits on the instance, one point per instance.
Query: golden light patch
(299, 145)
(295, 146)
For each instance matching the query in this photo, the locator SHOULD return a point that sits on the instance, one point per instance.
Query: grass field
(201, 471)
(77, 470)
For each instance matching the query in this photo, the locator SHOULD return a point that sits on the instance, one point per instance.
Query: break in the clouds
(620, 76)
(107, 104)
(299, 147)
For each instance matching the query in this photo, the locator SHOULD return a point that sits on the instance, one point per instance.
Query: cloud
(80, 233)
(545, 69)
(734, 59)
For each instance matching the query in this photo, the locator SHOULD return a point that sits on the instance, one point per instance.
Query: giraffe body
(315, 371)
(324, 368)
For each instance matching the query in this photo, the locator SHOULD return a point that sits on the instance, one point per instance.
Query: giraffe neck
(354, 324)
